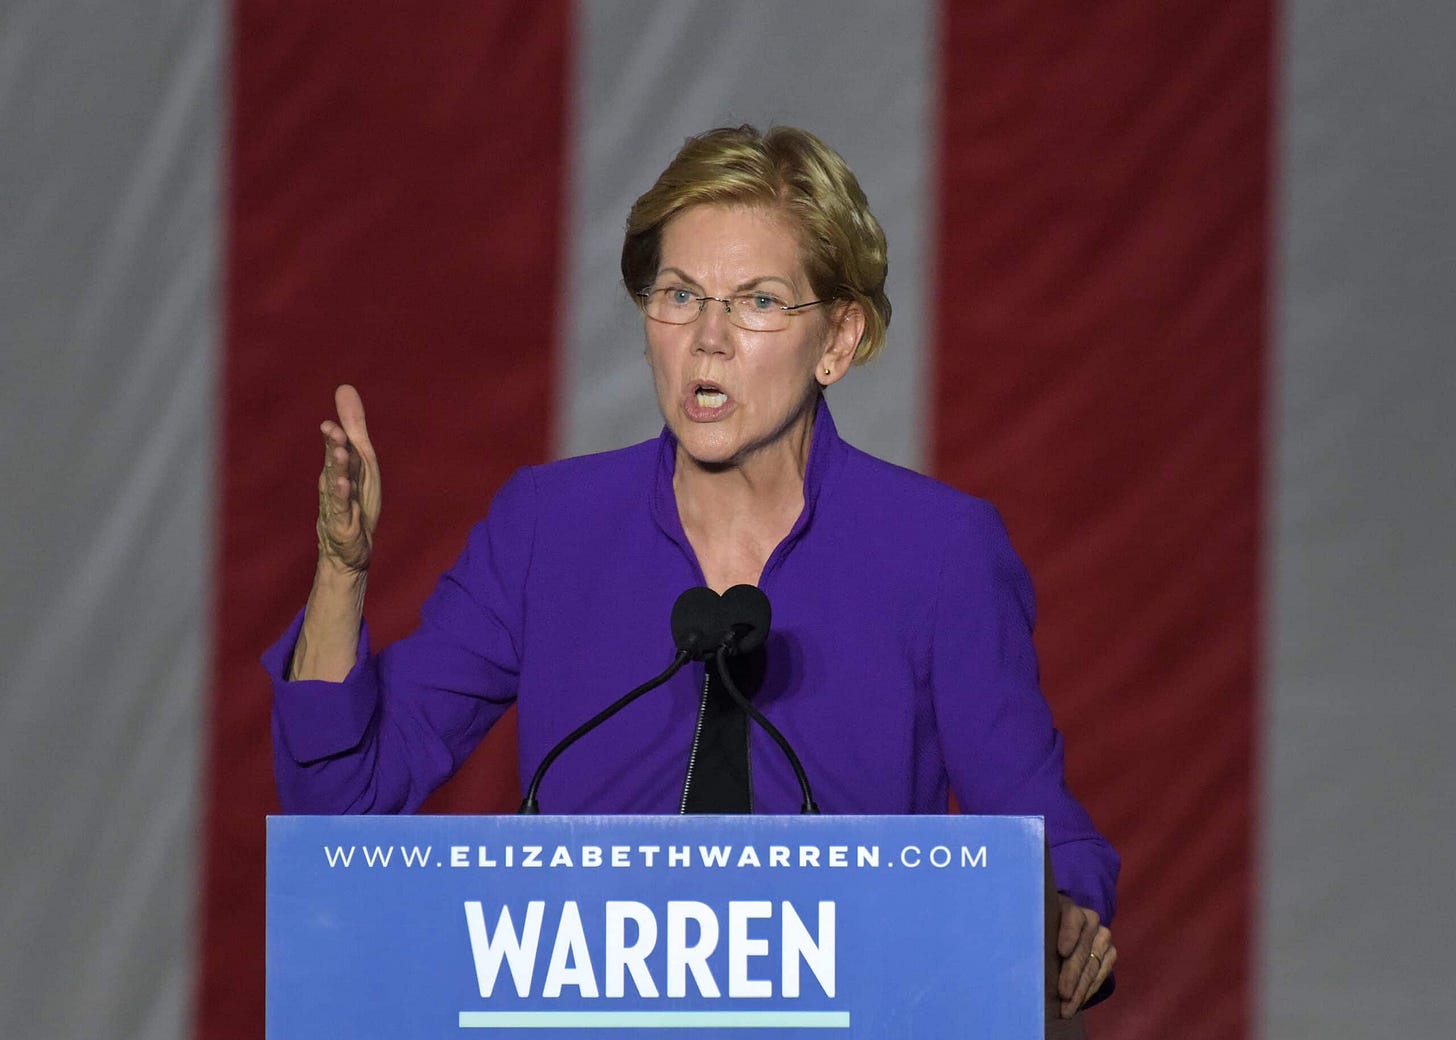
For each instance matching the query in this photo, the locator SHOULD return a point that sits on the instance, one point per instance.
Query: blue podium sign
(459, 926)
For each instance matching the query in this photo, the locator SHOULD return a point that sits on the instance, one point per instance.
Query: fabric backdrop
(1171, 287)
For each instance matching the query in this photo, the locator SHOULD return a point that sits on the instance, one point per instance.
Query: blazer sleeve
(403, 721)
(1002, 751)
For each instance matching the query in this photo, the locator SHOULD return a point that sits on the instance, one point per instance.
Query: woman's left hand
(1085, 946)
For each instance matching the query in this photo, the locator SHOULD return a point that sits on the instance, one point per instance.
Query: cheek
(785, 383)
(655, 352)
(664, 366)
(804, 362)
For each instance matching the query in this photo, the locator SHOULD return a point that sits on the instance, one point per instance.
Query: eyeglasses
(754, 311)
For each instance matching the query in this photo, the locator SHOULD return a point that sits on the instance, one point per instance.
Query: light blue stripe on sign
(654, 1019)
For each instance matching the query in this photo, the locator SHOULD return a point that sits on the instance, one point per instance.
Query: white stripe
(648, 75)
(108, 273)
(1359, 775)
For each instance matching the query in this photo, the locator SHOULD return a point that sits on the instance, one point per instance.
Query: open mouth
(709, 395)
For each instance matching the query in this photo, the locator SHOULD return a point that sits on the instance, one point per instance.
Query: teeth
(711, 398)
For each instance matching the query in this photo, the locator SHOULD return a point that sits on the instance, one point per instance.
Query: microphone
(696, 629)
(698, 622)
(746, 614)
(702, 621)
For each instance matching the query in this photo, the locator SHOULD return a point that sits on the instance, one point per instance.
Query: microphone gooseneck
(705, 626)
(695, 632)
(747, 614)
(529, 806)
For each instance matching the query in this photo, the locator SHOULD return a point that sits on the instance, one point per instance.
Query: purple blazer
(900, 664)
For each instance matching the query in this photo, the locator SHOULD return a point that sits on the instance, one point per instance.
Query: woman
(900, 665)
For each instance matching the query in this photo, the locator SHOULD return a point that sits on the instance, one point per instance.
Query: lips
(706, 401)
(710, 396)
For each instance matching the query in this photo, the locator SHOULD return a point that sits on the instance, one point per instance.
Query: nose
(713, 332)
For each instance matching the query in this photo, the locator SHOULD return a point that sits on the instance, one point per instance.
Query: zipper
(697, 739)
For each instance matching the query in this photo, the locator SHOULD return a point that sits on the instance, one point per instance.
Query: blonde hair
(794, 172)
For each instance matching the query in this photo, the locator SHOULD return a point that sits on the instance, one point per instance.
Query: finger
(363, 464)
(335, 441)
(335, 478)
(1069, 930)
(350, 408)
(1081, 989)
(335, 493)
(1074, 941)
(1095, 969)
(1077, 925)
(1073, 979)
(1109, 958)
(1074, 976)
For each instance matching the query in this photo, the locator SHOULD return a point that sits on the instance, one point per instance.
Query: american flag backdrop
(1172, 285)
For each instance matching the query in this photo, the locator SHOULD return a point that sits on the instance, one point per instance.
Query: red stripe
(1099, 375)
(395, 208)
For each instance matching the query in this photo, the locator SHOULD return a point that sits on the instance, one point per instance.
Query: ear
(847, 324)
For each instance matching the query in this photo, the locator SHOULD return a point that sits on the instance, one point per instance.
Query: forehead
(733, 244)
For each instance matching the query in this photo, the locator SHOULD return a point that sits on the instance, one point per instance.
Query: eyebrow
(741, 287)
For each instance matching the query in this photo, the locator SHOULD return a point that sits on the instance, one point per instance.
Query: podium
(685, 926)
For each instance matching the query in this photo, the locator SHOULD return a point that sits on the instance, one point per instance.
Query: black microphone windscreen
(697, 621)
(746, 610)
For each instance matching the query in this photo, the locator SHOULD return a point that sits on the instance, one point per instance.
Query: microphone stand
(808, 808)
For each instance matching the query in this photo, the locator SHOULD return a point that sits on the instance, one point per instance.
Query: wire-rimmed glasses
(756, 311)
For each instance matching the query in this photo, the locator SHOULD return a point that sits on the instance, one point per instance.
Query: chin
(707, 449)
(710, 458)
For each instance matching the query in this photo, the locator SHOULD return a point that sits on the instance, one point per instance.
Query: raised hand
(349, 487)
(349, 497)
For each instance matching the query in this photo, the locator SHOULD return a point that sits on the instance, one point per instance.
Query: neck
(734, 515)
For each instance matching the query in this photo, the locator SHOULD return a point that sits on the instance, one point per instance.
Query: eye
(761, 301)
(677, 295)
